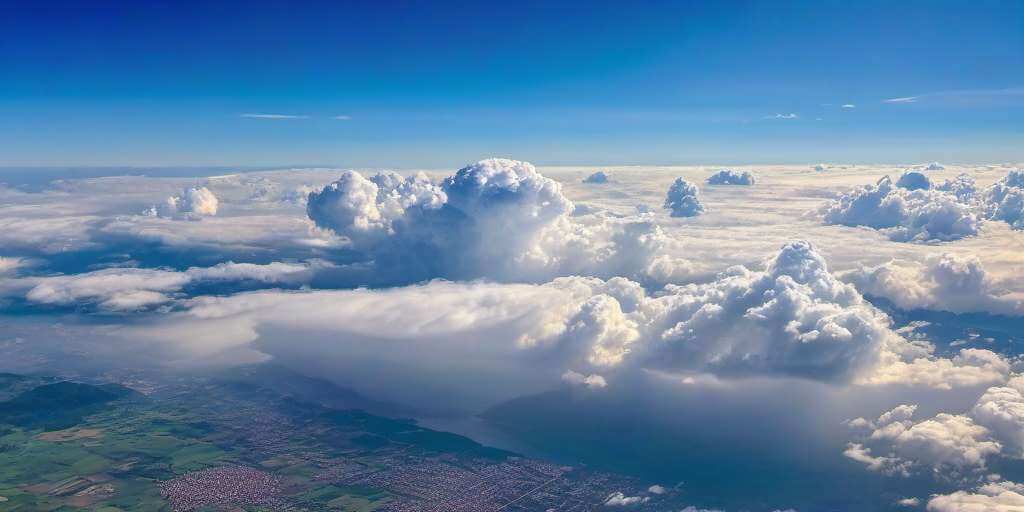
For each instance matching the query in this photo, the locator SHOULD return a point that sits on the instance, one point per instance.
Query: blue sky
(439, 84)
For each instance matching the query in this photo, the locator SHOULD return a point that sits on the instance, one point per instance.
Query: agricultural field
(211, 444)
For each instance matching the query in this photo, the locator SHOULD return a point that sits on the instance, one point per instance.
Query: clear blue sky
(437, 84)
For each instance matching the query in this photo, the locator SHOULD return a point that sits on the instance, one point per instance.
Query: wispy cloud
(967, 97)
(342, 118)
(905, 99)
(783, 116)
(272, 116)
(849, 106)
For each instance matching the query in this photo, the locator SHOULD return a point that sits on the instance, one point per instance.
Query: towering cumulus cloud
(729, 177)
(497, 218)
(904, 215)
(794, 318)
(683, 199)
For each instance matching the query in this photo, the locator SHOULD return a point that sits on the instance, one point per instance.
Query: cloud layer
(129, 289)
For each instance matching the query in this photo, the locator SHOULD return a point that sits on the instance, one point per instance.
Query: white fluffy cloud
(1003, 496)
(951, 445)
(367, 210)
(730, 177)
(592, 381)
(916, 210)
(1004, 200)
(497, 218)
(794, 318)
(945, 282)
(1001, 409)
(963, 186)
(192, 203)
(683, 199)
(617, 499)
(904, 215)
(908, 502)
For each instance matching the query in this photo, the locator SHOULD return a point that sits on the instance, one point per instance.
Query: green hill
(59, 405)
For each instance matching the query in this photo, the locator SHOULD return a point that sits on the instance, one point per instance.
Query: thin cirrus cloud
(783, 116)
(849, 106)
(272, 116)
(290, 116)
(967, 97)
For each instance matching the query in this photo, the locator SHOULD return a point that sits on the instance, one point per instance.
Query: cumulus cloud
(367, 210)
(969, 368)
(934, 166)
(887, 465)
(597, 177)
(192, 203)
(683, 199)
(946, 282)
(617, 499)
(916, 210)
(794, 318)
(1001, 409)
(820, 167)
(1003, 496)
(914, 180)
(729, 177)
(962, 186)
(904, 215)
(1004, 200)
(497, 218)
(908, 502)
(951, 445)
(592, 381)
